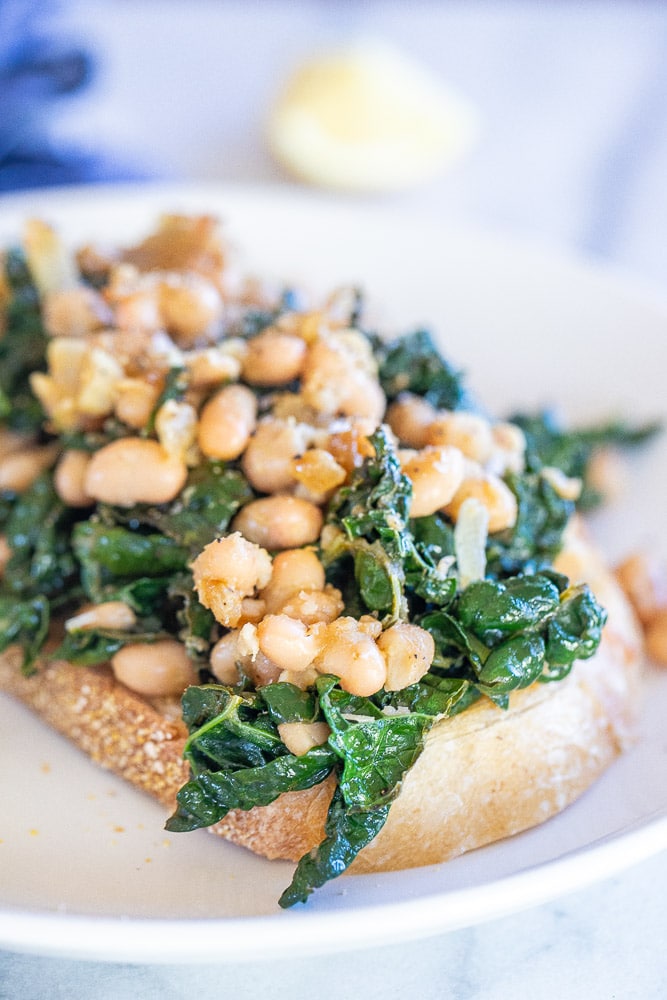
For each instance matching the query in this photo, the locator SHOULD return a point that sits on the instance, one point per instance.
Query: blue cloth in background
(37, 72)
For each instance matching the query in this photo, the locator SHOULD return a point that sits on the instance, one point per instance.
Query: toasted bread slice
(483, 775)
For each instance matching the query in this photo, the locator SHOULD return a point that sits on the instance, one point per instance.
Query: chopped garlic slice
(50, 263)
(470, 534)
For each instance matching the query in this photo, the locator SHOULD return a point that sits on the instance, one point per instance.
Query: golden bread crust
(114, 727)
(483, 775)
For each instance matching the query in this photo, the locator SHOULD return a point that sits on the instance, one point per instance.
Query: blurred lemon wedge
(367, 118)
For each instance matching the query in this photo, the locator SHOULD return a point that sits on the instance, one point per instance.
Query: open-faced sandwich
(284, 575)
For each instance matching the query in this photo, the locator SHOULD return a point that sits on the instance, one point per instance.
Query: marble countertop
(606, 943)
(573, 152)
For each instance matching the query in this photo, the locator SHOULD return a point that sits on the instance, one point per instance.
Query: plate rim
(197, 939)
(557, 252)
(180, 941)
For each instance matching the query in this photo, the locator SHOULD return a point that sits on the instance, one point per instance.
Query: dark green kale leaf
(144, 594)
(413, 364)
(25, 623)
(215, 707)
(515, 663)
(433, 537)
(376, 748)
(149, 573)
(537, 537)
(503, 636)
(208, 798)
(202, 512)
(228, 730)
(252, 321)
(38, 530)
(379, 580)
(196, 624)
(140, 555)
(390, 563)
(376, 502)
(288, 703)
(237, 758)
(458, 651)
(433, 540)
(119, 564)
(371, 513)
(434, 695)
(346, 834)
(22, 348)
(175, 386)
(123, 553)
(549, 444)
(496, 609)
(90, 646)
(574, 632)
(378, 740)
(377, 755)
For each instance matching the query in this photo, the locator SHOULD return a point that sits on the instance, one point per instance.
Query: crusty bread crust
(483, 775)
(114, 727)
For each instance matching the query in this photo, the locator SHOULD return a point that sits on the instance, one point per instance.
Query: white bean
(318, 471)
(339, 377)
(190, 305)
(410, 418)
(110, 614)
(19, 470)
(509, 449)
(300, 737)
(274, 358)
(408, 651)
(280, 522)
(656, 638)
(176, 429)
(643, 577)
(228, 570)
(495, 495)
(436, 474)
(154, 669)
(70, 478)
(312, 606)
(135, 400)
(294, 570)
(231, 656)
(74, 312)
(134, 470)
(267, 460)
(226, 422)
(224, 659)
(212, 366)
(353, 656)
(468, 432)
(287, 642)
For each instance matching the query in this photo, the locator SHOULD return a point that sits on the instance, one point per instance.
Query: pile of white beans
(292, 407)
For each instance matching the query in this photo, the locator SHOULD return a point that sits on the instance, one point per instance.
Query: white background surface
(573, 151)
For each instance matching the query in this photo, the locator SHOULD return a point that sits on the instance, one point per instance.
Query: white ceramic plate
(85, 867)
